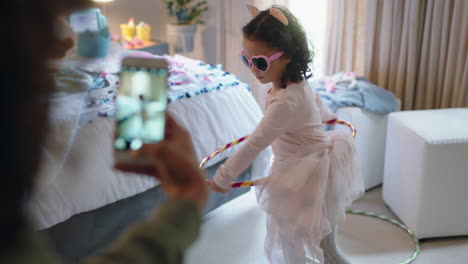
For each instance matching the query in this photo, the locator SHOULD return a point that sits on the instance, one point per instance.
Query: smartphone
(141, 105)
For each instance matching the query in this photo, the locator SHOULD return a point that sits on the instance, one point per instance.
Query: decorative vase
(93, 32)
(181, 37)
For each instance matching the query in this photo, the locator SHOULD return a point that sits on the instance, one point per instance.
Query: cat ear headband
(275, 12)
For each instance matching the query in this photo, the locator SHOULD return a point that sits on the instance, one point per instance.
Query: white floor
(234, 233)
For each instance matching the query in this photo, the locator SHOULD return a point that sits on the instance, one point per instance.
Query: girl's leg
(282, 245)
(331, 253)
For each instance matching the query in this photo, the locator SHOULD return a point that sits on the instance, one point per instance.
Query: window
(313, 15)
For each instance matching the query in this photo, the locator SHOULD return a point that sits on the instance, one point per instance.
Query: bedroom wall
(153, 12)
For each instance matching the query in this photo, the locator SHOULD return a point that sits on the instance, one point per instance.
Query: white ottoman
(370, 141)
(426, 171)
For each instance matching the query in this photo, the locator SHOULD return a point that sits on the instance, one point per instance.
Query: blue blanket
(364, 94)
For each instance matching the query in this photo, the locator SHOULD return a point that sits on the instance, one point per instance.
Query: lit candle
(144, 32)
(128, 30)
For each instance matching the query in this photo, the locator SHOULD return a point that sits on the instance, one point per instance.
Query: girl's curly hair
(291, 39)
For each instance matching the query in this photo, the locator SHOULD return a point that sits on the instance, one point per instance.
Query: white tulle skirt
(306, 193)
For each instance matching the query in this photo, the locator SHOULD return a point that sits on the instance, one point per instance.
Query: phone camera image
(141, 106)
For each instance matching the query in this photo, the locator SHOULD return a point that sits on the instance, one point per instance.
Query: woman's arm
(164, 238)
(175, 225)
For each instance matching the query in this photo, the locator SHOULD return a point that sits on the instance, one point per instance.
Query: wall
(208, 40)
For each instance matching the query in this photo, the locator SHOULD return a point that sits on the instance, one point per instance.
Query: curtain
(443, 72)
(345, 36)
(416, 49)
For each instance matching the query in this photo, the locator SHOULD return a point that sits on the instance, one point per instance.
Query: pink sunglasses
(261, 62)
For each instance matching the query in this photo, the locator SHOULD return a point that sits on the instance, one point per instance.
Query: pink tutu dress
(313, 179)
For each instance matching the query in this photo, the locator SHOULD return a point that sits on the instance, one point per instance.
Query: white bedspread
(82, 178)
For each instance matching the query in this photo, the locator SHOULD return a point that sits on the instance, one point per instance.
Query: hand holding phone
(174, 165)
(141, 107)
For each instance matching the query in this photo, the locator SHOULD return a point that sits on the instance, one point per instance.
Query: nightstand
(154, 47)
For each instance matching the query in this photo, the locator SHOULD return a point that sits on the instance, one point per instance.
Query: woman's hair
(25, 79)
(291, 39)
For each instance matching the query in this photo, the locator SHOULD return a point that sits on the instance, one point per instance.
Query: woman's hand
(175, 165)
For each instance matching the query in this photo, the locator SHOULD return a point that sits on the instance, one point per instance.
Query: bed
(81, 203)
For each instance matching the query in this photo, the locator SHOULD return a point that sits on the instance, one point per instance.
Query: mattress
(83, 179)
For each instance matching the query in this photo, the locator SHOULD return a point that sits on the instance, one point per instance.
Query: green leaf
(187, 11)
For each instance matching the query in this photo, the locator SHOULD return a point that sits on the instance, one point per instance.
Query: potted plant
(188, 14)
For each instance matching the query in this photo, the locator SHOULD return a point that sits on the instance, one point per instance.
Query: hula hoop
(242, 139)
(417, 249)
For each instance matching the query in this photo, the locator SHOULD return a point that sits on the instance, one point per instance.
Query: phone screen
(141, 106)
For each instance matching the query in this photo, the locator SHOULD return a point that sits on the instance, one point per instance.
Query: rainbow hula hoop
(417, 245)
(349, 211)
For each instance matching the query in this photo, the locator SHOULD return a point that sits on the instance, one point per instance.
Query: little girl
(314, 175)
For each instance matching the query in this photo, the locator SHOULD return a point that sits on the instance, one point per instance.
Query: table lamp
(102, 4)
